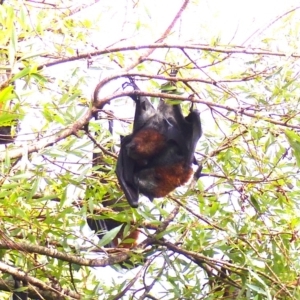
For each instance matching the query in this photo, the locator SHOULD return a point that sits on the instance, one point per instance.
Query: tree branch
(5, 268)
(52, 252)
(219, 49)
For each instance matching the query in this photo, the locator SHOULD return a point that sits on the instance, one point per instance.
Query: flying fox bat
(158, 155)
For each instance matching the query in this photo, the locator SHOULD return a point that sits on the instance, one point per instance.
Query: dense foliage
(233, 234)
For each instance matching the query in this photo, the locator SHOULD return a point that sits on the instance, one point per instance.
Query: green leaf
(22, 73)
(294, 141)
(168, 87)
(109, 236)
(6, 94)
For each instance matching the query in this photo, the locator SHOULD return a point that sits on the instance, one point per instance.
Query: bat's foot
(198, 173)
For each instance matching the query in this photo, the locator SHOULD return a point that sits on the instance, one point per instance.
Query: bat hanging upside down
(157, 157)
(153, 160)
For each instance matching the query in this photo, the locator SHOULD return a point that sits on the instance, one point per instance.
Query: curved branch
(5, 268)
(102, 83)
(239, 110)
(99, 104)
(51, 252)
(226, 50)
(45, 142)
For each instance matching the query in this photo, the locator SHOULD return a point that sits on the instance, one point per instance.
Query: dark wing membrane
(195, 127)
(125, 173)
